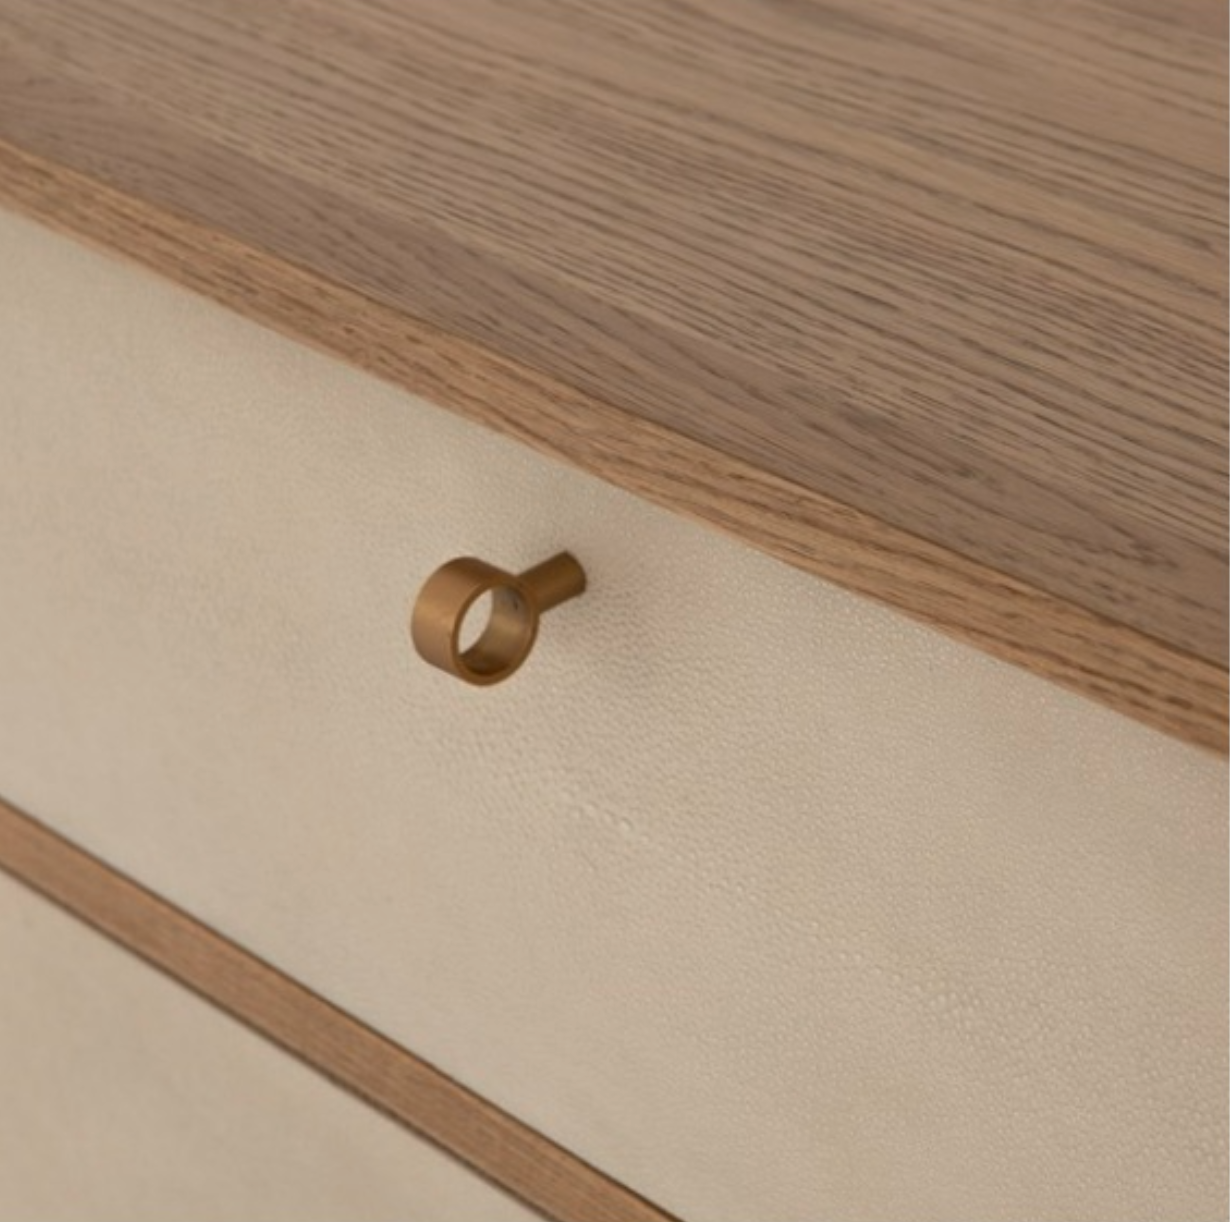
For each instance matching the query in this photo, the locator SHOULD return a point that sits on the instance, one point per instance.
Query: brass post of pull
(517, 603)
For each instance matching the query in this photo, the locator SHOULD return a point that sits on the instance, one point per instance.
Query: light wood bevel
(1121, 667)
(517, 1158)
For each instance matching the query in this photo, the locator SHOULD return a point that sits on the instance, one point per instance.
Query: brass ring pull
(517, 602)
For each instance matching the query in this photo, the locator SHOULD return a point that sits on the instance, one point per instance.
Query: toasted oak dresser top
(925, 296)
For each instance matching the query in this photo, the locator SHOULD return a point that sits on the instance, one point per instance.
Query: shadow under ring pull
(518, 600)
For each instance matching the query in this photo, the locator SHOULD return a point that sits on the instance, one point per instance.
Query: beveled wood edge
(1119, 666)
(514, 1157)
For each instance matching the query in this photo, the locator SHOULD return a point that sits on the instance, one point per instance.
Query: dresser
(612, 613)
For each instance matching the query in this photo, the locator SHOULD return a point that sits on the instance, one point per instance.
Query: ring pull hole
(477, 617)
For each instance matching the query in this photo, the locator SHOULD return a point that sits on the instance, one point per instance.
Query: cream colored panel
(123, 1096)
(764, 899)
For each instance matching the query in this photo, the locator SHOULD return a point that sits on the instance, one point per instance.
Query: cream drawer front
(763, 899)
(126, 1097)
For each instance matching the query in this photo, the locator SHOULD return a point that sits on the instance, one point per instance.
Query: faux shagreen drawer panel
(762, 898)
(126, 1097)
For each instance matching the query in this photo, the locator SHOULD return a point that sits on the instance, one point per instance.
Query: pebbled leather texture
(126, 1097)
(764, 899)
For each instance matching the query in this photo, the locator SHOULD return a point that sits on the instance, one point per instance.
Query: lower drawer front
(125, 1097)
(761, 898)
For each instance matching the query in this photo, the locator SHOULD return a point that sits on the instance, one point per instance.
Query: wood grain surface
(948, 269)
(513, 1156)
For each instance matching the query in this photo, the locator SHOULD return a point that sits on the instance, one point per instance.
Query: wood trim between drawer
(518, 1159)
(1120, 666)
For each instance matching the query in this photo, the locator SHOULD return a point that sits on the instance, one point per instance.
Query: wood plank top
(953, 267)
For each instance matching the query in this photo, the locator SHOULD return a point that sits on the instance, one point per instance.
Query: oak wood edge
(1119, 666)
(485, 1138)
